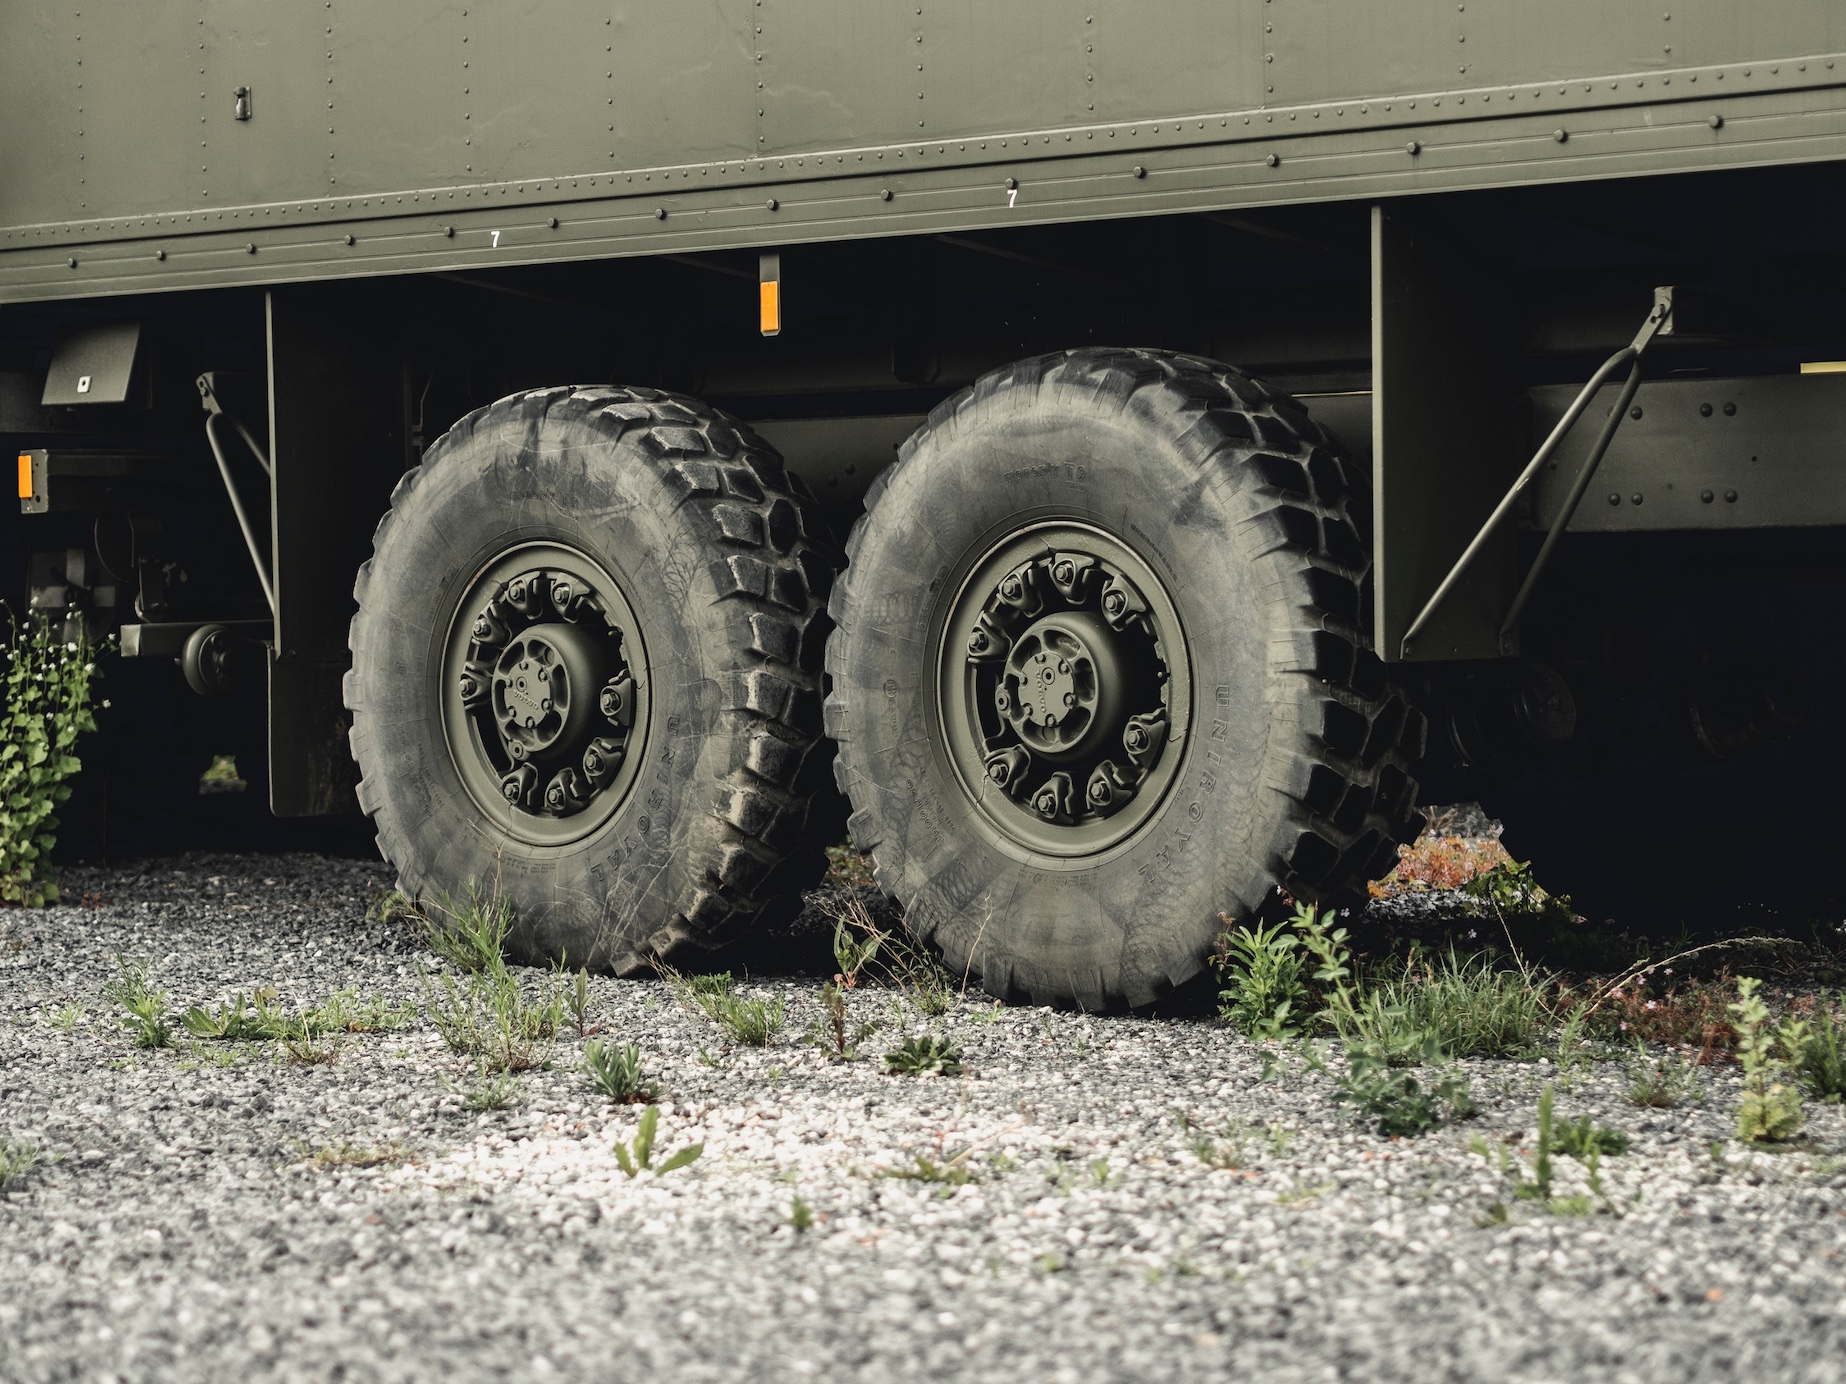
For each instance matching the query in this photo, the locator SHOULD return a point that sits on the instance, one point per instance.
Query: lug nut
(1114, 603)
(1070, 699)
(998, 772)
(1011, 589)
(1135, 738)
(1064, 573)
(610, 702)
(1046, 803)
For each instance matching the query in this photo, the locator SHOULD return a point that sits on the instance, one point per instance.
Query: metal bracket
(216, 419)
(1658, 322)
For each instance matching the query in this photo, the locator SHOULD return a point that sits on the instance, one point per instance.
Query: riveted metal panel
(646, 126)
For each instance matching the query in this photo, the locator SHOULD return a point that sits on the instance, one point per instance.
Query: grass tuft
(754, 1023)
(16, 1160)
(615, 1070)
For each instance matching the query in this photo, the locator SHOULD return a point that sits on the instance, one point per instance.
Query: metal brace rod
(1658, 320)
(215, 415)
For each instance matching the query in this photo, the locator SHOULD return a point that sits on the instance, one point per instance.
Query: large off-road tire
(983, 571)
(656, 797)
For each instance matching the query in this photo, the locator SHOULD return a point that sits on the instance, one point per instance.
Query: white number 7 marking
(1012, 195)
(496, 236)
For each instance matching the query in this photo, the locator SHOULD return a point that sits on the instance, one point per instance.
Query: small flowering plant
(47, 706)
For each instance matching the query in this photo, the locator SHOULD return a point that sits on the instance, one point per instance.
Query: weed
(488, 1016)
(1262, 970)
(1472, 1007)
(1099, 1172)
(16, 1160)
(1050, 1263)
(1229, 1153)
(1583, 1139)
(469, 934)
(309, 1047)
(888, 960)
(923, 1056)
(848, 868)
(1297, 1196)
(66, 1018)
(832, 1033)
(46, 706)
(957, 1170)
(230, 1021)
(800, 1215)
(616, 1072)
(1815, 1048)
(1662, 1082)
(637, 1156)
(1509, 889)
(752, 1022)
(144, 1008)
(341, 1154)
(1280, 1136)
(1771, 1109)
(494, 1091)
(708, 1058)
(393, 906)
(1401, 1104)
(988, 1013)
(577, 1000)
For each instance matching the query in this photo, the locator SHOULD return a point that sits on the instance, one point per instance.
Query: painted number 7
(496, 236)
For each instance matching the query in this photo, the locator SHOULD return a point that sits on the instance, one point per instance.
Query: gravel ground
(179, 1225)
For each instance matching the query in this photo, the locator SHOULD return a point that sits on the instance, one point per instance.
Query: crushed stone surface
(190, 1217)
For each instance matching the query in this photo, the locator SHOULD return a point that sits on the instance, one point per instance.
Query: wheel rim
(544, 693)
(1064, 689)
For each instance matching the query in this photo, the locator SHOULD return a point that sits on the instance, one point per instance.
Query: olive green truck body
(1428, 220)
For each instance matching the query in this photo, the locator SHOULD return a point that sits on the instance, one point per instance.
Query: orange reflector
(25, 476)
(1823, 367)
(769, 294)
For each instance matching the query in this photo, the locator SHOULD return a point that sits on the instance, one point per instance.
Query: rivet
(1615, 499)
(1272, 159)
(1716, 122)
(884, 195)
(1011, 183)
(1138, 171)
(660, 213)
(772, 204)
(71, 262)
(347, 238)
(1729, 410)
(1730, 497)
(449, 231)
(552, 223)
(1706, 496)
(1635, 498)
(1560, 135)
(1635, 412)
(1414, 147)
(1704, 410)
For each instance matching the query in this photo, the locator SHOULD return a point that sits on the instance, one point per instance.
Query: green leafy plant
(493, 1091)
(1771, 1108)
(1815, 1048)
(469, 933)
(834, 1033)
(577, 1000)
(16, 1160)
(754, 1023)
(636, 1157)
(956, 1170)
(46, 707)
(1397, 1100)
(66, 1018)
(489, 1016)
(144, 1009)
(1510, 890)
(1583, 1138)
(800, 1214)
(1663, 1081)
(1262, 968)
(853, 954)
(924, 1056)
(615, 1070)
(1470, 1005)
(868, 954)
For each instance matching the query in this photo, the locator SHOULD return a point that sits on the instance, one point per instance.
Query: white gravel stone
(175, 1231)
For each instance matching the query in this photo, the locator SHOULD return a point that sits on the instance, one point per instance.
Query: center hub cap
(546, 696)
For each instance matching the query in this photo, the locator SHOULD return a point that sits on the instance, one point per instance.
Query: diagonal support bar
(1659, 320)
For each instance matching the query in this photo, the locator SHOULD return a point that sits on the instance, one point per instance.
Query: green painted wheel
(1065, 689)
(544, 699)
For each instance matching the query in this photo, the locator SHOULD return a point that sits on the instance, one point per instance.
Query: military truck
(1099, 454)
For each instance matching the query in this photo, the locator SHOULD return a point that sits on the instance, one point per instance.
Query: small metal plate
(93, 365)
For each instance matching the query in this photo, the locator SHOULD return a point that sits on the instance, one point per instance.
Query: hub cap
(1065, 689)
(544, 676)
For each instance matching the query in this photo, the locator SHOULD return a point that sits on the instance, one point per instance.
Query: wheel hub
(547, 693)
(1065, 689)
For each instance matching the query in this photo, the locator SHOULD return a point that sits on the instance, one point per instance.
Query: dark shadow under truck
(920, 503)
